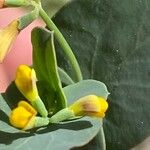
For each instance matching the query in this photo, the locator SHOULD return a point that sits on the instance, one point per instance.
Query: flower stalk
(62, 115)
(63, 43)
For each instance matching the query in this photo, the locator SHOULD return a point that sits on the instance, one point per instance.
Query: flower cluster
(24, 116)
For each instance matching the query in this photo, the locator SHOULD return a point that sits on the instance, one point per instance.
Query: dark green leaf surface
(53, 6)
(62, 136)
(111, 39)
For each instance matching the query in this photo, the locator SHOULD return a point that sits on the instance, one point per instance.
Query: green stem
(40, 107)
(101, 137)
(63, 43)
(62, 115)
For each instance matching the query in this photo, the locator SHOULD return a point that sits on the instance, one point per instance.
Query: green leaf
(83, 88)
(61, 136)
(4, 120)
(65, 135)
(3, 105)
(45, 65)
(88, 87)
(111, 40)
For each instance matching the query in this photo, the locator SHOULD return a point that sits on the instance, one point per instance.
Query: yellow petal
(7, 36)
(90, 105)
(21, 116)
(28, 107)
(26, 82)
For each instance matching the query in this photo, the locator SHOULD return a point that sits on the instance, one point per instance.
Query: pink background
(21, 50)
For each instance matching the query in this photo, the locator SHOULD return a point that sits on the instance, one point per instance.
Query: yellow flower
(26, 82)
(90, 105)
(7, 36)
(23, 116)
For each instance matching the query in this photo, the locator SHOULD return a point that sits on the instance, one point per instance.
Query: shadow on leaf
(12, 95)
(76, 125)
(4, 117)
(8, 138)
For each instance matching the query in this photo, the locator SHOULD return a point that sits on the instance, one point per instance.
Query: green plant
(110, 40)
(37, 103)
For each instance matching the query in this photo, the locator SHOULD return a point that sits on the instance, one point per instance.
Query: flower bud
(26, 83)
(90, 105)
(24, 117)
